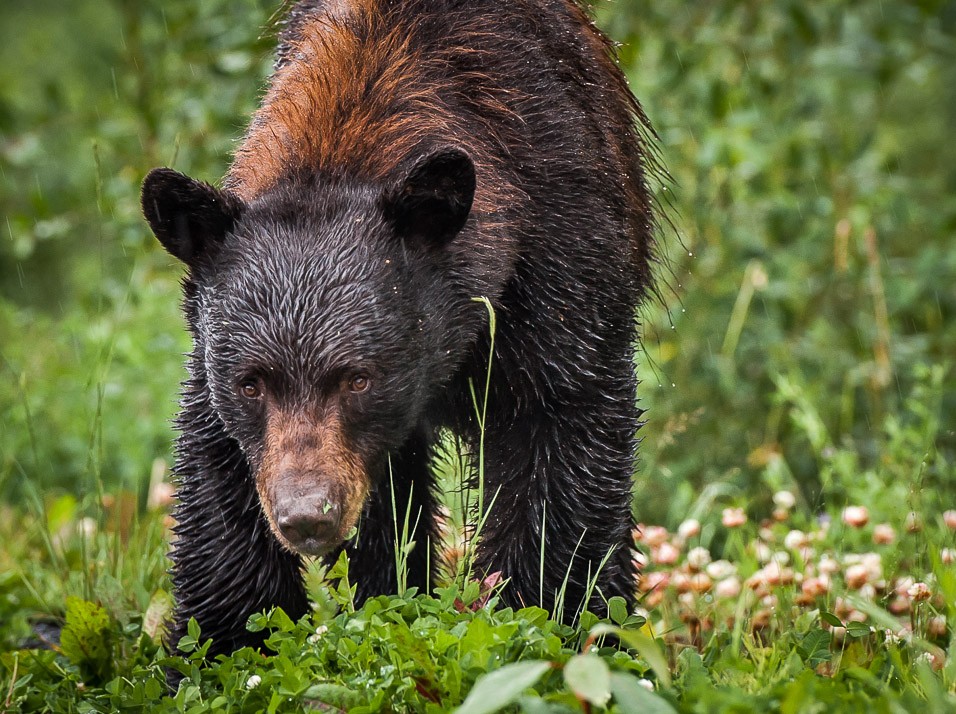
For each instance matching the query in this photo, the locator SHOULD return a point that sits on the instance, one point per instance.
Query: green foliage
(811, 186)
(441, 653)
(90, 335)
(410, 653)
(86, 638)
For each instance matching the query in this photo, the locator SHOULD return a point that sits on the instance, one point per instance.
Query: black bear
(409, 157)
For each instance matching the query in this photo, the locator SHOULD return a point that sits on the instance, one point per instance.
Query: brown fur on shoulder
(354, 94)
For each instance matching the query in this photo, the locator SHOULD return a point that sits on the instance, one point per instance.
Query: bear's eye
(359, 383)
(250, 388)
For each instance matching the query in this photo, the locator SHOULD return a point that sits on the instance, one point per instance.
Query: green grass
(810, 609)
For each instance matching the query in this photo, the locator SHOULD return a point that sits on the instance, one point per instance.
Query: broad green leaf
(534, 615)
(617, 610)
(86, 637)
(815, 647)
(645, 646)
(322, 696)
(589, 678)
(498, 689)
(632, 698)
(857, 629)
(693, 673)
(831, 619)
(157, 614)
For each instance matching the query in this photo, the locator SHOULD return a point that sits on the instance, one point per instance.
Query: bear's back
(528, 88)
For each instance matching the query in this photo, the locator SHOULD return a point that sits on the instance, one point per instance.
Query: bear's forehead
(297, 332)
(301, 261)
(311, 302)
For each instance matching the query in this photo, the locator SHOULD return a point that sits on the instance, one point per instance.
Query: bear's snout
(310, 524)
(311, 485)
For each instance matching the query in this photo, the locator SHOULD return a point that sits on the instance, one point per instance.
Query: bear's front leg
(227, 565)
(561, 469)
(403, 486)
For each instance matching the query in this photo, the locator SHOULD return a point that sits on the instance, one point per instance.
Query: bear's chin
(311, 547)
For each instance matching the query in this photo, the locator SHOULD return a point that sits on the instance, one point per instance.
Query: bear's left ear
(190, 218)
(432, 202)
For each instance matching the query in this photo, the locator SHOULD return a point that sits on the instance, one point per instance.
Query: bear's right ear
(188, 217)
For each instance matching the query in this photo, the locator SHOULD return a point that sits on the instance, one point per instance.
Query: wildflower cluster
(772, 571)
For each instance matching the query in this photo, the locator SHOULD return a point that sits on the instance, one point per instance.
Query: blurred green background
(808, 272)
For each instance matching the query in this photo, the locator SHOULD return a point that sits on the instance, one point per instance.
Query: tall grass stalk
(481, 411)
(403, 541)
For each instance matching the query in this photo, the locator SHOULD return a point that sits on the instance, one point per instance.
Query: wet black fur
(323, 274)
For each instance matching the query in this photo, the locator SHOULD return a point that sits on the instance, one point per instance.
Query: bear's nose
(309, 523)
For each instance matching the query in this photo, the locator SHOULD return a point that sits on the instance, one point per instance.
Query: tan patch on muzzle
(306, 455)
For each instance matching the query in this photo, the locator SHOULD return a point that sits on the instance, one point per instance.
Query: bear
(412, 163)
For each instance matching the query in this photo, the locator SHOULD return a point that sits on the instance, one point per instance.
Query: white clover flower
(689, 528)
(902, 585)
(815, 587)
(700, 582)
(856, 516)
(655, 535)
(784, 499)
(319, 631)
(721, 569)
(253, 681)
(828, 565)
(776, 574)
(665, 554)
(698, 558)
(857, 576)
(728, 588)
(733, 517)
(873, 564)
(883, 534)
(795, 540)
(936, 626)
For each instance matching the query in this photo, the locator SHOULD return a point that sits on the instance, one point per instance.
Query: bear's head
(322, 316)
